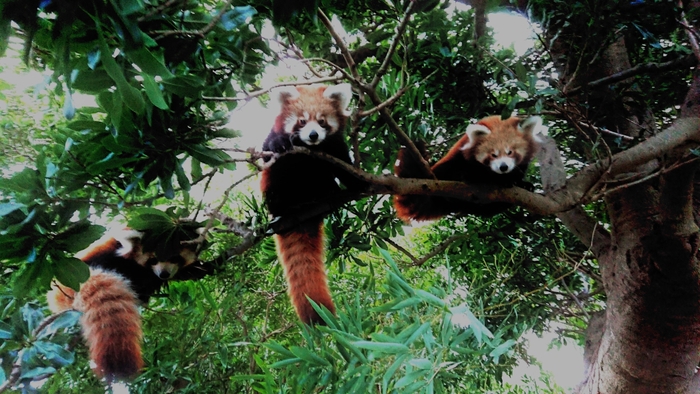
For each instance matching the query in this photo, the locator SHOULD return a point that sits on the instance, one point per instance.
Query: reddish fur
(110, 245)
(462, 165)
(293, 181)
(302, 257)
(111, 325)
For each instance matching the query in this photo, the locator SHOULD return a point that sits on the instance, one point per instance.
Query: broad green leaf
(65, 320)
(6, 208)
(71, 272)
(54, 353)
(155, 96)
(149, 63)
(131, 96)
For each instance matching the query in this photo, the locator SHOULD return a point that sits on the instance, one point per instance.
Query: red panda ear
(283, 94)
(341, 92)
(533, 126)
(474, 132)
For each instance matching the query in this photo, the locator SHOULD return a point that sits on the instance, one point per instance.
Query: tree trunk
(648, 338)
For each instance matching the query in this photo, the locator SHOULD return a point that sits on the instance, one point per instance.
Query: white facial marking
(397, 163)
(289, 123)
(503, 165)
(312, 133)
(341, 92)
(533, 126)
(474, 131)
(284, 93)
(165, 270)
(332, 121)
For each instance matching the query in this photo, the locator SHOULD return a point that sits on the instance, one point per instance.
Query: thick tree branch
(575, 191)
(585, 228)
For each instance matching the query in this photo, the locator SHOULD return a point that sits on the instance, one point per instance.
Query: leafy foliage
(162, 77)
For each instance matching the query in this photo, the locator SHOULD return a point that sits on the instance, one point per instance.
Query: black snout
(313, 136)
(165, 275)
(503, 167)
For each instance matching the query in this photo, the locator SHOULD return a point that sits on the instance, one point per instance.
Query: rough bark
(647, 340)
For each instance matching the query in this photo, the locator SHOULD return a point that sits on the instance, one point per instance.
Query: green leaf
(146, 218)
(502, 349)
(65, 320)
(386, 378)
(149, 63)
(277, 348)
(309, 357)
(131, 96)
(384, 347)
(430, 298)
(31, 373)
(212, 157)
(79, 237)
(54, 353)
(182, 177)
(25, 280)
(236, 17)
(155, 96)
(108, 162)
(284, 363)
(421, 363)
(6, 208)
(5, 331)
(72, 272)
(411, 378)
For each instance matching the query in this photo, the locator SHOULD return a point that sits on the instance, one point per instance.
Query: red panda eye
(321, 122)
(494, 155)
(302, 122)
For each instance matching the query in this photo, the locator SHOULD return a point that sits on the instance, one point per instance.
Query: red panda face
(130, 248)
(502, 145)
(313, 112)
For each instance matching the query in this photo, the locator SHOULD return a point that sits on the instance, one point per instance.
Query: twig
(692, 33)
(339, 42)
(439, 249)
(688, 61)
(265, 91)
(392, 48)
(210, 223)
(403, 250)
(393, 98)
(197, 33)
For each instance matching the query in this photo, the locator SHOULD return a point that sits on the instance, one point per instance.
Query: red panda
(492, 151)
(122, 276)
(313, 117)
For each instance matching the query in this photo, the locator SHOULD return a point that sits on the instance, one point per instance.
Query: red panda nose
(164, 275)
(503, 167)
(313, 136)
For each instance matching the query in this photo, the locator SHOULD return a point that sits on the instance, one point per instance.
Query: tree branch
(392, 47)
(686, 61)
(560, 197)
(265, 91)
(339, 42)
(585, 228)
